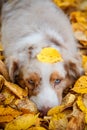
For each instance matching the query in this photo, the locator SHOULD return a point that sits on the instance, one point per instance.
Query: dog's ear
(74, 67)
(13, 69)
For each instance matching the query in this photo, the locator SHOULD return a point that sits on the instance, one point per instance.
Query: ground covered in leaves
(17, 112)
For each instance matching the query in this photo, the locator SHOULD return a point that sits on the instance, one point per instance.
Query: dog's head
(45, 82)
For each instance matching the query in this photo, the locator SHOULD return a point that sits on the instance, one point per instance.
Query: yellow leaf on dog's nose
(49, 55)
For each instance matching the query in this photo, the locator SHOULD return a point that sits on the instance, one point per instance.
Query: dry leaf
(66, 3)
(81, 85)
(3, 70)
(58, 122)
(81, 37)
(76, 123)
(9, 111)
(83, 5)
(84, 63)
(22, 122)
(7, 114)
(68, 100)
(82, 107)
(2, 98)
(9, 100)
(6, 118)
(55, 110)
(26, 106)
(79, 25)
(18, 91)
(37, 128)
(81, 104)
(9, 96)
(1, 52)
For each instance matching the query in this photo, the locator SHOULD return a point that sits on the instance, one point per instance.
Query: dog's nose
(44, 111)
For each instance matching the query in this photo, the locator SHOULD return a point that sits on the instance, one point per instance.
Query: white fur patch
(46, 98)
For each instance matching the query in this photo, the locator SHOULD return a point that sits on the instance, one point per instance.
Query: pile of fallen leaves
(17, 112)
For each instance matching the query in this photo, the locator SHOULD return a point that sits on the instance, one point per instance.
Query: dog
(29, 26)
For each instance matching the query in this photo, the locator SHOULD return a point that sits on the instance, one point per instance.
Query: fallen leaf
(76, 123)
(22, 122)
(84, 63)
(55, 110)
(6, 118)
(58, 122)
(26, 106)
(18, 91)
(9, 111)
(66, 3)
(3, 70)
(79, 25)
(68, 100)
(37, 128)
(9, 96)
(80, 85)
(82, 107)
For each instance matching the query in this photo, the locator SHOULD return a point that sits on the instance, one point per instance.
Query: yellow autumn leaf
(49, 55)
(68, 100)
(82, 107)
(18, 91)
(84, 63)
(1, 52)
(55, 110)
(8, 114)
(84, 43)
(79, 25)
(83, 5)
(81, 85)
(37, 128)
(3, 70)
(22, 122)
(65, 3)
(26, 106)
(9, 111)
(58, 121)
(78, 16)
(80, 35)
(81, 104)
(76, 122)
(9, 100)
(9, 96)
(6, 118)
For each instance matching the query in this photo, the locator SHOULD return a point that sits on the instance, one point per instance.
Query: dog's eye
(57, 81)
(31, 82)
